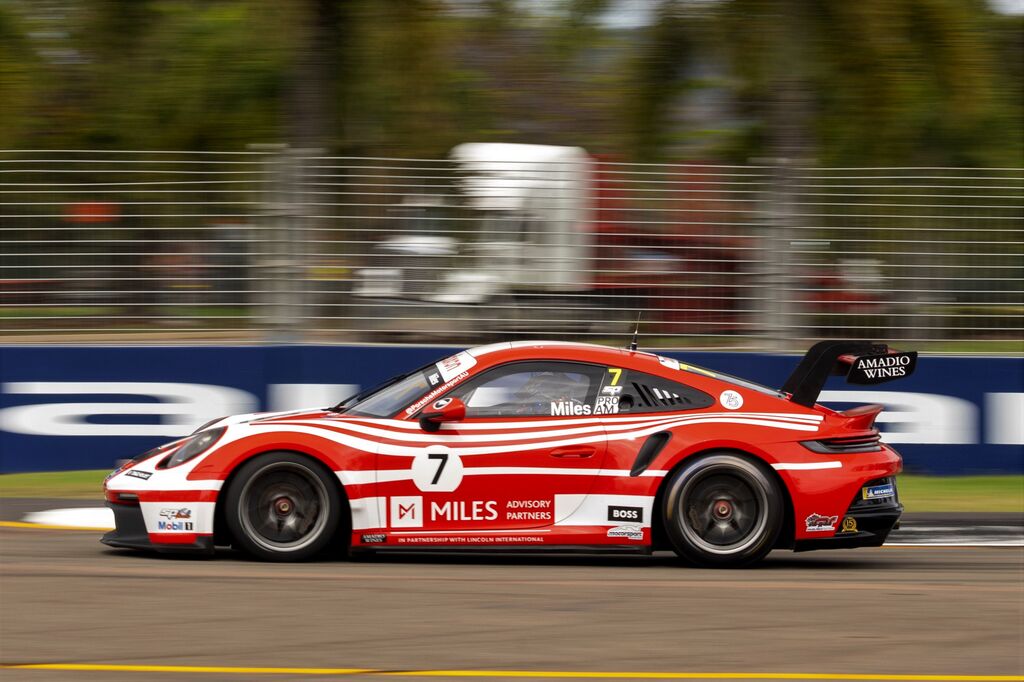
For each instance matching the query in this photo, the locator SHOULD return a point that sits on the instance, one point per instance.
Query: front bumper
(867, 522)
(130, 533)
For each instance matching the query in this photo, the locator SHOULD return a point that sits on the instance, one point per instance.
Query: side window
(625, 390)
(532, 389)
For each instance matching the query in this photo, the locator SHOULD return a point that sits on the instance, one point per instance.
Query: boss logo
(635, 514)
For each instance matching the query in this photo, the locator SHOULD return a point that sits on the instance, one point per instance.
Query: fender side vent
(648, 451)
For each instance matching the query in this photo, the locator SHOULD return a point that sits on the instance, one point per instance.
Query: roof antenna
(632, 344)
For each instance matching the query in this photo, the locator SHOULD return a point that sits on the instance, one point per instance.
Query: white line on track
(955, 543)
(74, 517)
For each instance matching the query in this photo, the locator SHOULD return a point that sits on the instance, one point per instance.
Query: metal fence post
(277, 269)
(776, 297)
(301, 236)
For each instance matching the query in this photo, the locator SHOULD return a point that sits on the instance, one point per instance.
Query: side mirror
(440, 411)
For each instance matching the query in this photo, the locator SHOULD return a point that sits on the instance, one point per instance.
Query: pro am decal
(607, 401)
(607, 404)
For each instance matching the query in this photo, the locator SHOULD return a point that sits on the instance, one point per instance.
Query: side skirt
(635, 550)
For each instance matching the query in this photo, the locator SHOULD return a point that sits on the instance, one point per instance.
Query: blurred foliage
(886, 81)
(905, 82)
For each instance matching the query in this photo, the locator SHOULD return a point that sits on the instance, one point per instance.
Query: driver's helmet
(548, 386)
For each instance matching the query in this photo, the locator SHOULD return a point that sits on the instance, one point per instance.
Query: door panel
(515, 485)
(528, 438)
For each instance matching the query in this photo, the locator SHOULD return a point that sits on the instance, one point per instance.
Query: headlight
(195, 446)
(154, 452)
(123, 464)
(206, 426)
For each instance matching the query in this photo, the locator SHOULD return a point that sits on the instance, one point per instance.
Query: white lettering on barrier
(285, 397)
(917, 417)
(181, 408)
(1004, 418)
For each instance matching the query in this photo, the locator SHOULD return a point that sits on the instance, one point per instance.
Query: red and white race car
(537, 447)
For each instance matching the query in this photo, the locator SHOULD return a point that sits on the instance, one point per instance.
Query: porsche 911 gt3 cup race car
(534, 446)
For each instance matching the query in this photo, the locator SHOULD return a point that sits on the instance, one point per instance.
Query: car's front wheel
(283, 507)
(722, 509)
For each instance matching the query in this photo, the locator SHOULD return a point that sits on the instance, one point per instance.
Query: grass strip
(962, 493)
(71, 485)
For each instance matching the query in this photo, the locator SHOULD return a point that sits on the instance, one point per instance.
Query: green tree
(659, 74)
(19, 74)
(872, 82)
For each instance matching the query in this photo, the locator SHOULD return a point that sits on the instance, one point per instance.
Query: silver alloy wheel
(722, 511)
(283, 507)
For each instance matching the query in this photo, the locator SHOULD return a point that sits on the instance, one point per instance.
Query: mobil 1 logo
(634, 514)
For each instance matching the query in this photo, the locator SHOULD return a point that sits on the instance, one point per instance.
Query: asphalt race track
(947, 611)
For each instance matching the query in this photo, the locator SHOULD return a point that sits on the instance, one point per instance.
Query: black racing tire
(282, 506)
(723, 510)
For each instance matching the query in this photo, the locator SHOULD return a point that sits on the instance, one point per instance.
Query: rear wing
(862, 362)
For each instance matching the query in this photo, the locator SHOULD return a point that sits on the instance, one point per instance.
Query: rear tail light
(869, 442)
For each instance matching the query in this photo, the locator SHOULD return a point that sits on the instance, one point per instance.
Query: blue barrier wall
(67, 408)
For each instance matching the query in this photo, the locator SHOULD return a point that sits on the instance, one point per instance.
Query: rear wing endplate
(862, 362)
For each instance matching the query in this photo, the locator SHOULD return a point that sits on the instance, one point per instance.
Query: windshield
(386, 399)
(392, 397)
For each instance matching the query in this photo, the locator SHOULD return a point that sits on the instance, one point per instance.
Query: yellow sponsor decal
(698, 370)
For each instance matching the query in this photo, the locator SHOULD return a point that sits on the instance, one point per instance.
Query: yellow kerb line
(563, 674)
(48, 526)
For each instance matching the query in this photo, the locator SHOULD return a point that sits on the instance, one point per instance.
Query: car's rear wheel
(722, 509)
(283, 507)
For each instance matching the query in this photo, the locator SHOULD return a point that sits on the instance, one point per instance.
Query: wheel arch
(659, 539)
(221, 534)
